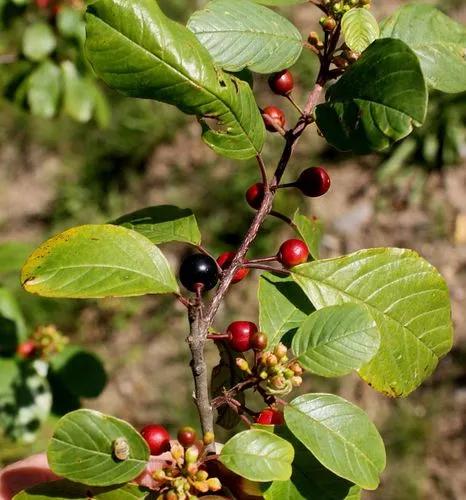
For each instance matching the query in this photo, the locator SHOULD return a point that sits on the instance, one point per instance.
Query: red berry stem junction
(201, 316)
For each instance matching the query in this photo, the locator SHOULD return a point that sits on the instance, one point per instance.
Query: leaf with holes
(241, 34)
(438, 41)
(142, 53)
(81, 449)
(282, 308)
(97, 261)
(405, 295)
(258, 455)
(66, 490)
(378, 100)
(336, 340)
(163, 223)
(339, 435)
(359, 28)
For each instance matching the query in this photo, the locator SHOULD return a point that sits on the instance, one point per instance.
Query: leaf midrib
(184, 77)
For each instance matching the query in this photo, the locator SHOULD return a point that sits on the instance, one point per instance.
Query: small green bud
(192, 455)
(243, 365)
(202, 475)
(288, 373)
(263, 375)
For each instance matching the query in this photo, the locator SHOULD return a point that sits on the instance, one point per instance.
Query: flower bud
(192, 455)
(192, 469)
(272, 360)
(288, 373)
(278, 382)
(328, 23)
(243, 365)
(296, 381)
(202, 475)
(201, 486)
(209, 438)
(296, 368)
(214, 484)
(263, 375)
(280, 351)
(159, 475)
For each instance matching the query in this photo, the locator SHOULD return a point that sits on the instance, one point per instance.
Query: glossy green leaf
(258, 456)
(311, 231)
(339, 435)
(38, 41)
(242, 34)
(336, 340)
(70, 365)
(44, 90)
(310, 479)
(97, 261)
(282, 307)
(378, 100)
(163, 223)
(81, 449)
(66, 490)
(136, 49)
(405, 295)
(79, 94)
(359, 28)
(438, 41)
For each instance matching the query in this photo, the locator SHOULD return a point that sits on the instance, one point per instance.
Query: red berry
(293, 252)
(259, 341)
(187, 436)
(27, 350)
(255, 195)
(314, 182)
(271, 115)
(157, 438)
(240, 335)
(281, 83)
(225, 260)
(270, 416)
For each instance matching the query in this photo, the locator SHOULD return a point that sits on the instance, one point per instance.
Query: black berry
(199, 269)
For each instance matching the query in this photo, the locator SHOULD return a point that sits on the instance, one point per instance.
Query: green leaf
(311, 231)
(279, 2)
(241, 34)
(66, 490)
(97, 261)
(405, 295)
(38, 41)
(163, 223)
(438, 41)
(282, 307)
(70, 365)
(136, 49)
(336, 340)
(378, 100)
(359, 28)
(44, 90)
(13, 255)
(310, 479)
(81, 449)
(339, 435)
(79, 98)
(258, 456)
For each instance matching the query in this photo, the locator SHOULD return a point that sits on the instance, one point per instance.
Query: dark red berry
(27, 349)
(240, 335)
(225, 260)
(187, 436)
(157, 437)
(255, 195)
(273, 115)
(282, 83)
(199, 269)
(270, 416)
(259, 341)
(293, 252)
(314, 182)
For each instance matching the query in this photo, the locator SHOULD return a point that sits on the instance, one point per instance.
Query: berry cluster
(44, 342)
(277, 373)
(185, 476)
